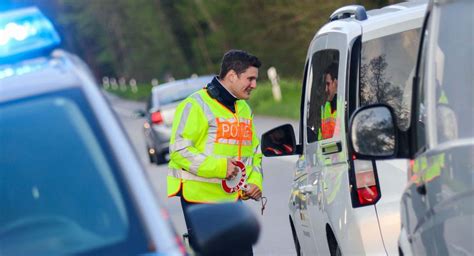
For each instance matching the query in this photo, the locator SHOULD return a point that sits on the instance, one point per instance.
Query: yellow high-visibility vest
(328, 122)
(204, 134)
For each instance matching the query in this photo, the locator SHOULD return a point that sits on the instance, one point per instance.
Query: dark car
(160, 109)
(70, 182)
(437, 210)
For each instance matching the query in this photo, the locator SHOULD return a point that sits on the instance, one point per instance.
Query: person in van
(329, 109)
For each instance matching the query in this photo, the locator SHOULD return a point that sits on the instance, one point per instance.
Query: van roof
(410, 14)
(397, 7)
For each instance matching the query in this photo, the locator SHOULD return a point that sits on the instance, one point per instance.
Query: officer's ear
(232, 76)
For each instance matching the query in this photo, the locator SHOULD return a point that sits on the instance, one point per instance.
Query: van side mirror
(279, 141)
(372, 132)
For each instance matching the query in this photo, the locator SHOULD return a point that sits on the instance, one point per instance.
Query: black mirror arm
(299, 149)
(403, 141)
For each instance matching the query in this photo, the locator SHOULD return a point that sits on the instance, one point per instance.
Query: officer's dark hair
(332, 70)
(239, 61)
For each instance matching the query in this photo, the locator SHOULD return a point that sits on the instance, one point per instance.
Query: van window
(322, 105)
(387, 69)
(451, 70)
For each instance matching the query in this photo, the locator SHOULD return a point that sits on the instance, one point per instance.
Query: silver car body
(165, 98)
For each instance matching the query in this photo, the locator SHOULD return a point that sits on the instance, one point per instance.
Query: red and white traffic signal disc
(238, 182)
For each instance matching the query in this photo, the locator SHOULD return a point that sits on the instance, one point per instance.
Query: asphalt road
(275, 237)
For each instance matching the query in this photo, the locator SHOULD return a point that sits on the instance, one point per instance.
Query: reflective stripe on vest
(182, 174)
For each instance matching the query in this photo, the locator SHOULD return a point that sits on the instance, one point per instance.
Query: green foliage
(145, 39)
(262, 102)
(123, 38)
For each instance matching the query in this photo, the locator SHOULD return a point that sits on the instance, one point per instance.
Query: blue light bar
(25, 31)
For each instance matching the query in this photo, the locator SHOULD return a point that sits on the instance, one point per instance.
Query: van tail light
(156, 117)
(367, 195)
(367, 190)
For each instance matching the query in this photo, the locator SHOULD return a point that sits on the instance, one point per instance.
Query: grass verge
(262, 101)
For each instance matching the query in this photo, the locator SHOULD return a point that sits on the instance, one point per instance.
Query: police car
(340, 204)
(70, 181)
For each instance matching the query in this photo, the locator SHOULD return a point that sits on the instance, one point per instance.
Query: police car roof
(60, 70)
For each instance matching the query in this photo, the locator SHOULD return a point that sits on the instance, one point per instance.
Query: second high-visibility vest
(328, 122)
(204, 134)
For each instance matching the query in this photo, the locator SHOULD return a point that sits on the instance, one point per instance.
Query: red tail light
(156, 117)
(366, 183)
(367, 195)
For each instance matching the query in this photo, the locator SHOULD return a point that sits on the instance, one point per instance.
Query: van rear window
(387, 68)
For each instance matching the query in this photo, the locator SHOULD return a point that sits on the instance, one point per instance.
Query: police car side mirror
(372, 132)
(223, 229)
(279, 141)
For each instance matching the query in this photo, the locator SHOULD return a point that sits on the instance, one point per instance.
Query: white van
(340, 204)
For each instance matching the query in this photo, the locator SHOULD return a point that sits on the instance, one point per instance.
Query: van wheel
(295, 239)
(400, 252)
(338, 251)
(334, 248)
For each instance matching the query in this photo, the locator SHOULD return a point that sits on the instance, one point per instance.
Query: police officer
(329, 109)
(212, 129)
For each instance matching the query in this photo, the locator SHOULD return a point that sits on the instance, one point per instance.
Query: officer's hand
(232, 169)
(253, 192)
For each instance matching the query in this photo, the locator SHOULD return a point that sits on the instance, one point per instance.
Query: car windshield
(452, 63)
(60, 190)
(179, 90)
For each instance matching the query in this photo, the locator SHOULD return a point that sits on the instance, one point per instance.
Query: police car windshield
(60, 190)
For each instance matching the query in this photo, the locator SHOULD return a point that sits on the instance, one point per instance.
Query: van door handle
(306, 189)
(331, 147)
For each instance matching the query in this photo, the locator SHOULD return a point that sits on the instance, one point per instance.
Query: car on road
(437, 210)
(70, 181)
(160, 109)
(340, 204)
